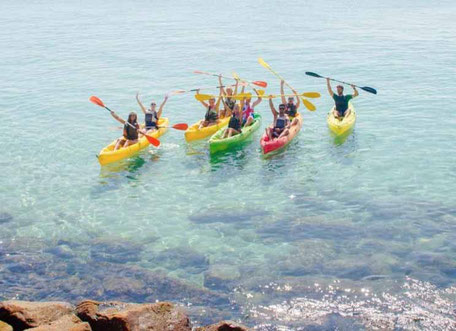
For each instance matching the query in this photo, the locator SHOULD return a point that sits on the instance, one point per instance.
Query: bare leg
(203, 124)
(119, 144)
(335, 113)
(347, 112)
(284, 133)
(294, 122)
(130, 142)
(249, 121)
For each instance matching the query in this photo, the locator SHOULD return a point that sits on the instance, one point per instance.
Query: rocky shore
(91, 315)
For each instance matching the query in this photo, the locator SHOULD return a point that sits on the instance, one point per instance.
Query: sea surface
(330, 234)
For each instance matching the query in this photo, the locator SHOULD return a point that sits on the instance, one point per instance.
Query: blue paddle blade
(369, 89)
(313, 74)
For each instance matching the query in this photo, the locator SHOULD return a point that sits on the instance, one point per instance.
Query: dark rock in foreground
(223, 326)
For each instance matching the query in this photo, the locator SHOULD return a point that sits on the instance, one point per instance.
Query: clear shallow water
(374, 210)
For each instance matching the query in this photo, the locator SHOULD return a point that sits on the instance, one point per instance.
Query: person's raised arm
(117, 117)
(202, 102)
(328, 84)
(282, 92)
(217, 104)
(236, 86)
(222, 90)
(356, 91)
(271, 105)
(140, 103)
(298, 101)
(256, 103)
(160, 110)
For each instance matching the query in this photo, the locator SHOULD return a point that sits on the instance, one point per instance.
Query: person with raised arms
(291, 107)
(235, 123)
(212, 111)
(341, 101)
(280, 124)
(227, 97)
(248, 108)
(151, 115)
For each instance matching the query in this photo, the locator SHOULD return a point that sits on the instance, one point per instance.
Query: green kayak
(217, 144)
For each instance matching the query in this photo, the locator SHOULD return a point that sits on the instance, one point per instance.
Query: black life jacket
(234, 123)
(291, 110)
(151, 119)
(211, 115)
(131, 133)
(281, 123)
(230, 102)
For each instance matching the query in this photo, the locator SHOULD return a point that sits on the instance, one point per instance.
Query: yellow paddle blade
(309, 105)
(263, 63)
(272, 96)
(236, 76)
(203, 97)
(260, 93)
(311, 94)
(242, 96)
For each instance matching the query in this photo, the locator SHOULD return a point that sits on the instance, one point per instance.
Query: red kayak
(269, 146)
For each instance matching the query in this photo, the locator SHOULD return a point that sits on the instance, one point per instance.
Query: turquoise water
(376, 213)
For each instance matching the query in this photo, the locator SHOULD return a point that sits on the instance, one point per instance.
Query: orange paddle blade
(96, 101)
(199, 72)
(260, 83)
(152, 140)
(180, 126)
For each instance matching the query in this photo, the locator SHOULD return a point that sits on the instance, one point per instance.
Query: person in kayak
(228, 101)
(341, 108)
(291, 107)
(234, 125)
(281, 123)
(151, 115)
(212, 113)
(130, 130)
(248, 109)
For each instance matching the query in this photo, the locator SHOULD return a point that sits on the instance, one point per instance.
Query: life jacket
(230, 102)
(291, 110)
(281, 123)
(131, 133)
(247, 111)
(234, 123)
(151, 119)
(211, 115)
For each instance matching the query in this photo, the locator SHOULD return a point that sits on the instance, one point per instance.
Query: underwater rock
(183, 258)
(5, 327)
(224, 326)
(115, 250)
(62, 251)
(68, 322)
(24, 314)
(5, 217)
(221, 277)
(106, 316)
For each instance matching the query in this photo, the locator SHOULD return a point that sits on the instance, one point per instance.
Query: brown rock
(5, 327)
(224, 326)
(65, 323)
(24, 314)
(119, 316)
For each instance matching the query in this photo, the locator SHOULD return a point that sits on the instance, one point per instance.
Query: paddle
(365, 88)
(205, 97)
(202, 88)
(98, 102)
(305, 94)
(178, 126)
(257, 82)
(309, 105)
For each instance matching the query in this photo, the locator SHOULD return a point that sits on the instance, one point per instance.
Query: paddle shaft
(364, 88)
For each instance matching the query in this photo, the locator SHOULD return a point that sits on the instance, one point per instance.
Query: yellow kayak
(109, 155)
(195, 133)
(342, 126)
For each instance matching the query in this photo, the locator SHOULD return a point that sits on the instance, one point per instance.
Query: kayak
(341, 127)
(109, 155)
(217, 143)
(276, 145)
(195, 133)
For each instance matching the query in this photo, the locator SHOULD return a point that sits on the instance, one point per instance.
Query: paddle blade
(309, 105)
(203, 97)
(369, 89)
(242, 96)
(260, 83)
(152, 140)
(180, 126)
(96, 101)
(236, 76)
(313, 74)
(177, 92)
(311, 94)
(260, 93)
(200, 72)
(263, 63)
